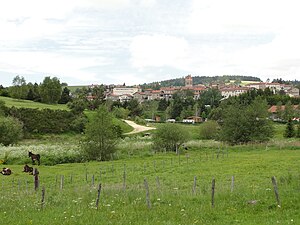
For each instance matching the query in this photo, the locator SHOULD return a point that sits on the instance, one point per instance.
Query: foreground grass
(171, 180)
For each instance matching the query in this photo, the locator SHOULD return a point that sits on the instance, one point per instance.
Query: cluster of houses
(123, 93)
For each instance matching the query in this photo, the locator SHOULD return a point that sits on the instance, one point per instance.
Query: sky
(85, 42)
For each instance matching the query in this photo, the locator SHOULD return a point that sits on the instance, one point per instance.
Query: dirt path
(137, 128)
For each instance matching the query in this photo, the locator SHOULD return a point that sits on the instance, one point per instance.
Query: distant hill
(205, 80)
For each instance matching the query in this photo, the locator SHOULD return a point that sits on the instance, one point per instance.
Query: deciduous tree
(50, 90)
(101, 136)
(246, 123)
(19, 88)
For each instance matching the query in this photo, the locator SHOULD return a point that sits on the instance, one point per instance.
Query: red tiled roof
(273, 108)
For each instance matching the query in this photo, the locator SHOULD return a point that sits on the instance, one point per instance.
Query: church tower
(188, 81)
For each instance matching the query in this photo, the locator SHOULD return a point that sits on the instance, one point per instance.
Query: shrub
(209, 130)
(45, 120)
(10, 130)
(169, 136)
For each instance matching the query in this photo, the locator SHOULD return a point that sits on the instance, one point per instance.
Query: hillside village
(124, 93)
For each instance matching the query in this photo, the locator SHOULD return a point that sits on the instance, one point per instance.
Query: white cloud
(157, 50)
(50, 63)
(255, 16)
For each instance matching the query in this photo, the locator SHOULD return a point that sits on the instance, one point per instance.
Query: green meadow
(10, 102)
(139, 186)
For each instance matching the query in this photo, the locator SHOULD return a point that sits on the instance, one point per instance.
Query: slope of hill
(10, 102)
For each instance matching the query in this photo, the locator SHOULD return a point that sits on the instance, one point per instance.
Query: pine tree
(289, 131)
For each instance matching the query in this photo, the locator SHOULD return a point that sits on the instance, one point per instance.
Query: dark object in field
(6, 171)
(34, 157)
(185, 147)
(146, 135)
(28, 169)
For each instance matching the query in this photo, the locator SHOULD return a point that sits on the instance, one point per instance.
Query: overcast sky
(141, 41)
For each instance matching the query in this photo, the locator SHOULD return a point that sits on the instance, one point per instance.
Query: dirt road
(137, 128)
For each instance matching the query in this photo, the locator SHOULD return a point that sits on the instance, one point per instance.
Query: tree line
(50, 91)
(199, 80)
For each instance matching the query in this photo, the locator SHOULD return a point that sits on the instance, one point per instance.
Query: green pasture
(175, 197)
(10, 102)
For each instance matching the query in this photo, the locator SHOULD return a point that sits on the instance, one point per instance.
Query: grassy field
(9, 102)
(71, 189)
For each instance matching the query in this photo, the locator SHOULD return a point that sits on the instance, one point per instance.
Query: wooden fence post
(36, 178)
(124, 178)
(213, 193)
(93, 180)
(276, 190)
(147, 193)
(98, 196)
(194, 185)
(61, 182)
(43, 197)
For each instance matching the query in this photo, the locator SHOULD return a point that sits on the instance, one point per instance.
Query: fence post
(43, 198)
(36, 178)
(61, 182)
(213, 193)
(147, 193)
(124, 177)
(98, 196)
(194, 186)
(276, 190)
(93, 180)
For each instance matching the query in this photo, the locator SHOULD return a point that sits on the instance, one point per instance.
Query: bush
(169, 136)
(44, 121)
(10, 130)
(209, 130)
